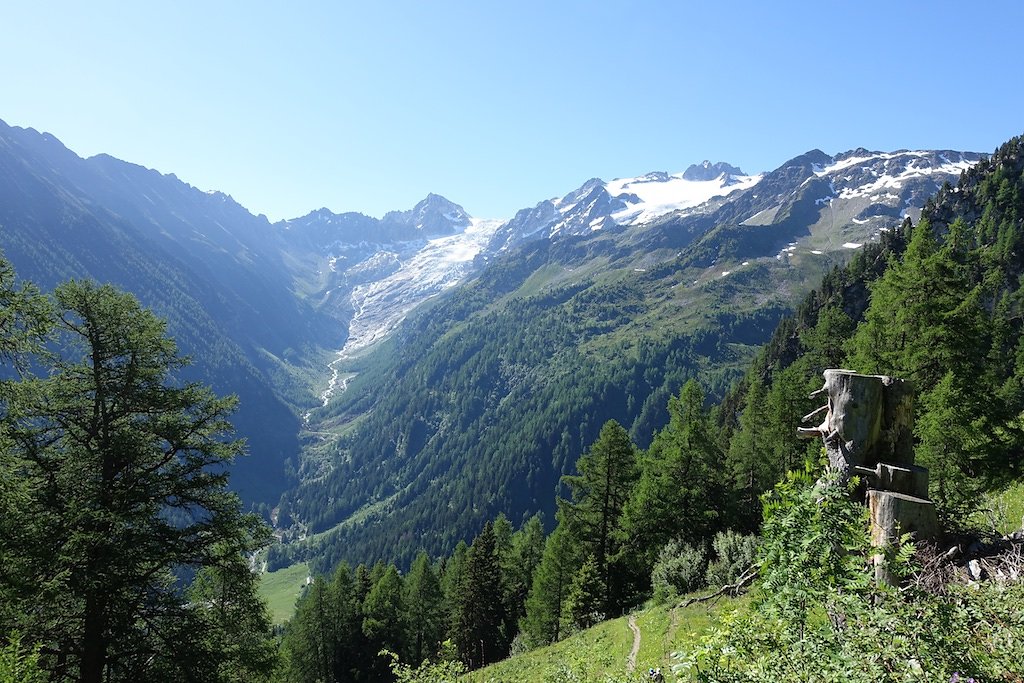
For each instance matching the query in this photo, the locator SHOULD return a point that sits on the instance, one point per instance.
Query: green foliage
(545, 605)
(452, 577)
(448, 670)
(734, 555)
(18, 664)
(518, 570)
(681, 568)
(234, 620)
(478, 631)
(121, 473)
(586, 597)
(680, 492)
(423, 603)
(818, 604)
(383, 624)
(496, 388)
(593, 518)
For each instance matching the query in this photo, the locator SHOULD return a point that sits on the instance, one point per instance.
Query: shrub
(680, 569)
(817, 603)
(734, 555)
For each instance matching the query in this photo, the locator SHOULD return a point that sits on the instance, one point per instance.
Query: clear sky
(497, 105)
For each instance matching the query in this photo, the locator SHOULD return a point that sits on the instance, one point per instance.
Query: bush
(816, 602)
(680, 569)
(19, 665)
(734, 555)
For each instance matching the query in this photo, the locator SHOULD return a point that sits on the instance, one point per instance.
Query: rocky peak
(710, 171)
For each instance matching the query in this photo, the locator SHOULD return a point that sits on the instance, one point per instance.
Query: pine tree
(607, 474)
(424, 609)
(127, 473)
(478, 633)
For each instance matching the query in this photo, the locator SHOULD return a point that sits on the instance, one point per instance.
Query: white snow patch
(726, 272)
(859, 222)
(816, 252)
(852, 245)
(913, 170)
(439, 264)
(745, 263)
(659, 197)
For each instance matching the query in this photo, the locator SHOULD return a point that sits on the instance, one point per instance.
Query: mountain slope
(199, 260)
(483, 398)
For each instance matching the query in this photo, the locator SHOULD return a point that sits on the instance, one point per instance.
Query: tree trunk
(94, 641)
(870, 419)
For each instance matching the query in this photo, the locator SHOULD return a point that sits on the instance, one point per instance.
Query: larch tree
(607, 474)
(481, 614)
(424, 609)
(127, 470)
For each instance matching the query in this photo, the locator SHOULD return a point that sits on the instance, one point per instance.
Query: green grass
(1008, 507)
(601, 653)
(282, 588)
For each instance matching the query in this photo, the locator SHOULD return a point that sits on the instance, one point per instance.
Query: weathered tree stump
(868, 419)
(868, 431)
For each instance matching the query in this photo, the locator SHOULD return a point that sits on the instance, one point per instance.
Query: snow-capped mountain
(624, 201)
(370, 273)
(842, 201)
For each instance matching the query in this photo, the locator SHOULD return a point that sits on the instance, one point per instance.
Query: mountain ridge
(626, 275)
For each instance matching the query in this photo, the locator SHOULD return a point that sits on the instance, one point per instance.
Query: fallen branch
(730, 588)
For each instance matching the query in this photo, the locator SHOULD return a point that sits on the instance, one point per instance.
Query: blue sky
(369, 106)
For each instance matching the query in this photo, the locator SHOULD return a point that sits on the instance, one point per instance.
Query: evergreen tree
(236, 621)
(585, 597)
(607, 474)
(424, 609)
(752, 472)
(26, 573)
(680, 492)
(127, 474)
(518, 570)
(478, 633)
(310, 639)
(545, 605)
(345, 611)
(383, 625)
(927, 323)
(452, 576)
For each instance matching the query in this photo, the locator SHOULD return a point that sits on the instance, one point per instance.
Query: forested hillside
(123, 556)
(937, 303)
(484, 398)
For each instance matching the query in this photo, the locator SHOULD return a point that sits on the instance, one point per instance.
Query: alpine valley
(406, 378)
